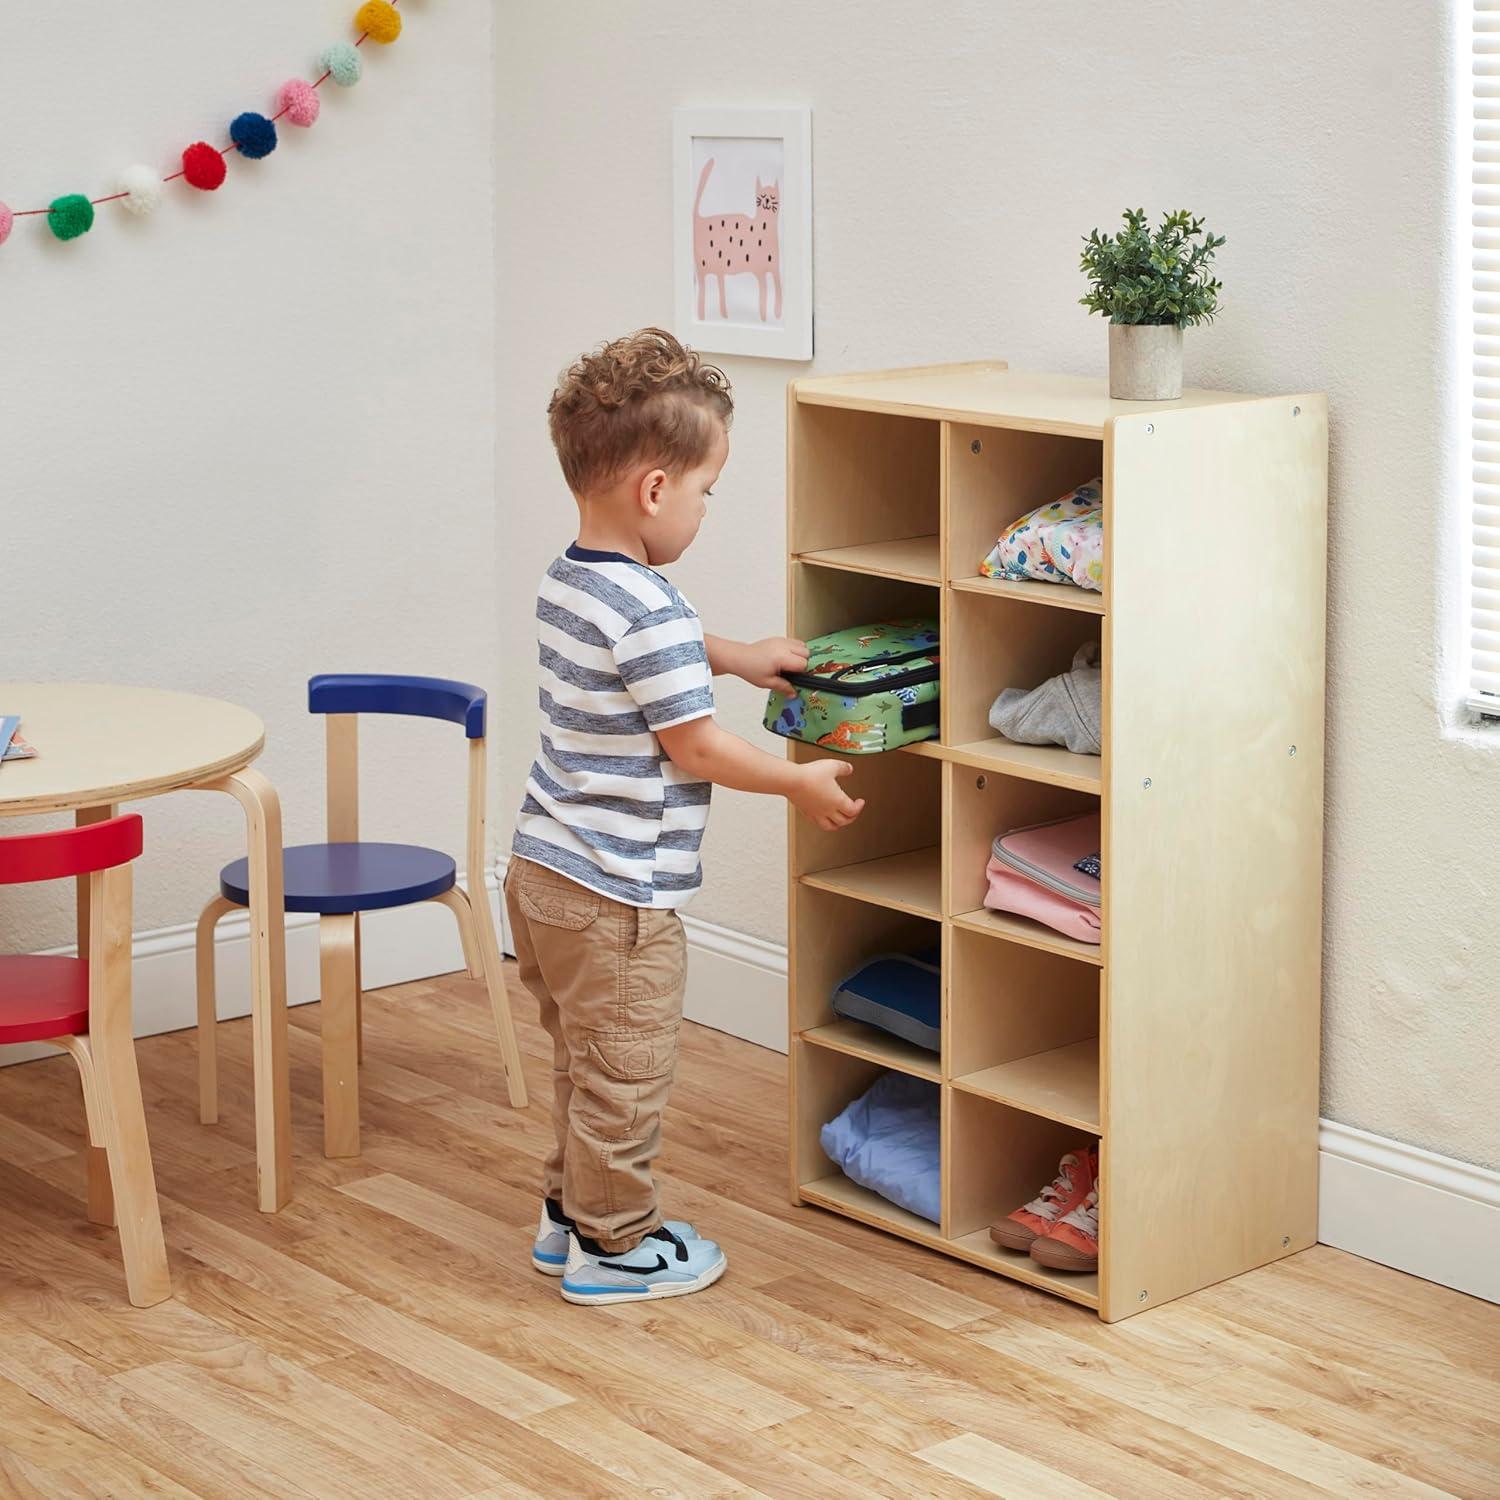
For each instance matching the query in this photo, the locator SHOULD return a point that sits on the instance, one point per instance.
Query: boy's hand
(761, 663)
(819, 798)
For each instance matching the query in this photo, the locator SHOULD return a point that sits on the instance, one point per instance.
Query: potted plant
(1151, 285)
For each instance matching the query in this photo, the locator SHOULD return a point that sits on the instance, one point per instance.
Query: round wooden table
(99, 745)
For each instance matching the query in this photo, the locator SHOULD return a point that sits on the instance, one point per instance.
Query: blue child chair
(346, 876)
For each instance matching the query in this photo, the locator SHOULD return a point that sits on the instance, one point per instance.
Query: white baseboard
(1422, 1213)
(1412, 1209)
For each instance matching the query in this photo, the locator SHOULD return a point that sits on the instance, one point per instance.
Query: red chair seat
(42, 997)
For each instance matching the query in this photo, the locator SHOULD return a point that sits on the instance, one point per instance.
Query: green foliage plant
(1153, 276)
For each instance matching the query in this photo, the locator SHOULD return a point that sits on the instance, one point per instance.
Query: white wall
(250, 438)
(960, 151)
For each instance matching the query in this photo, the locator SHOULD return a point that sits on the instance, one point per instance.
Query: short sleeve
(663, 663)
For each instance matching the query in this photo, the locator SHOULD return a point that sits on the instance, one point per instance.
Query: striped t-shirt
(622, 656)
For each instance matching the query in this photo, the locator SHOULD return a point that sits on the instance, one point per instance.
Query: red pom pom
(203, 166)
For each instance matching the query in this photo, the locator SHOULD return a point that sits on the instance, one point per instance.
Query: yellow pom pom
(379, 20)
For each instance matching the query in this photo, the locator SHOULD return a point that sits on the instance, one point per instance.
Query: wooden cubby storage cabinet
(1186, 1042)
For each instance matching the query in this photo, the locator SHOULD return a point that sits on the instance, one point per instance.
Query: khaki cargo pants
(609, 980)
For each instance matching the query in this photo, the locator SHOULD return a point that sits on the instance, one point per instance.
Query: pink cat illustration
(737, 245)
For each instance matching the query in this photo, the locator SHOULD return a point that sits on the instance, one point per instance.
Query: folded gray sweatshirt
(1064, 710)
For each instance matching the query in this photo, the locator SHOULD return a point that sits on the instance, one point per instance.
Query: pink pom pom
(7, 218)
(299, 101)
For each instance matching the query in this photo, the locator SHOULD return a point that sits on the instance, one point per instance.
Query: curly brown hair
(644, 397)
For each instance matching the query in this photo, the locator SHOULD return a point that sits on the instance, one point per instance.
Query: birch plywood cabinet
(1186, 1042)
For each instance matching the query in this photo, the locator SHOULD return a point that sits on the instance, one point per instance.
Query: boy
(606, 844)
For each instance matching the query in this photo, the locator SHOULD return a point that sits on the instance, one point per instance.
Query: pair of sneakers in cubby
(1059, 1228)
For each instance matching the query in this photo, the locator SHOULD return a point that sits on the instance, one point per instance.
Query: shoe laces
(1085, 1217)
(1048, 1205)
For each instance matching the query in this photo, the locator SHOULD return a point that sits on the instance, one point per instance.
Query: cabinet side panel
(1213, 872)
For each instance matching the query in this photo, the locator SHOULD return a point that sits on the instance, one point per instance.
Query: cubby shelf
(838, 1193)
(914, 559)
(1029, 934)
(910, 882)
(1054, 595)
(1061, 1084)
(1193, 1026)
(1045, 763)
(859, 1040)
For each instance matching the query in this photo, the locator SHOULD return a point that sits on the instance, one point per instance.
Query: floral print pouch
(1061, 542)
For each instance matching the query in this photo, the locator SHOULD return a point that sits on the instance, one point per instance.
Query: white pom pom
(142, 189)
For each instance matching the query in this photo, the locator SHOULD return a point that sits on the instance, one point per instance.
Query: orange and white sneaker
(1073, 1242)
(1073, 1183)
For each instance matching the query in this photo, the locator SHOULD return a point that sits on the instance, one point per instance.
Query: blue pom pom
(253, 134)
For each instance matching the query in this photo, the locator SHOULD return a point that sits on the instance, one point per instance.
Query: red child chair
(82, 1005)
(345, 876)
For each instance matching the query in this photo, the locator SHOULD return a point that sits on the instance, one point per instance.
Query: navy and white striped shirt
(622, 656)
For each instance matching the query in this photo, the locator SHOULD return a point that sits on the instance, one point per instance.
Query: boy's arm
(760, 663)
(701, 748)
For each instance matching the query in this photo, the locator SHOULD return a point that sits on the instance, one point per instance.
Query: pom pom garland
(253, 134)
(203, 166)
(299, 101)
(70, 216)
(341, 63)
(141, 186)
(379, 20)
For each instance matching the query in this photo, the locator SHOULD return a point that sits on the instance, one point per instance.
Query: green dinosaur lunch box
(866, 689)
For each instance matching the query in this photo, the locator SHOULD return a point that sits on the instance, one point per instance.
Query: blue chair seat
(338, 878)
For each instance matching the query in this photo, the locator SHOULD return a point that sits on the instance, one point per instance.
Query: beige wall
(250, 438)
(960, 151)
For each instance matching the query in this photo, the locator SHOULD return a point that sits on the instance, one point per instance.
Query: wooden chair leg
(494, 980)
(340, 1012)
(101, 1198)
(458, 904)
(208, 1012)
(359, 992)
(268, 1023)
(116, 1087)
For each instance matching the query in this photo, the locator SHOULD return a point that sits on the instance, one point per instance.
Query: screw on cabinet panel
(1150, 427)
(1296, 411)
(1291, 749)
(1146, 784)
(1141, 1298)
(975, 446)
(981, 782)
(1286, 1240)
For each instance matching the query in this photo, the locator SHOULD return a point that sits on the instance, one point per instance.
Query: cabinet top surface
(989, 393)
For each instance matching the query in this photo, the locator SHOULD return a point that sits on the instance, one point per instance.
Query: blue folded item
(887, 1140)
(898, 992)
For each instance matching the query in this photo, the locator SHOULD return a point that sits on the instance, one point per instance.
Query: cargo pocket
(632, 1076)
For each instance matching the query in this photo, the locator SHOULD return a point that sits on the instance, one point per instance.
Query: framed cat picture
(742, 230)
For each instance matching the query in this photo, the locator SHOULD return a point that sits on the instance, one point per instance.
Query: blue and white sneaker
(549, 1251)
(662, 1265)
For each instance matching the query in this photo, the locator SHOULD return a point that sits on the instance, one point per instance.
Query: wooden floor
(386, 1335)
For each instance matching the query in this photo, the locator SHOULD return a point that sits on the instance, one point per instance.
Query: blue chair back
(382, 693)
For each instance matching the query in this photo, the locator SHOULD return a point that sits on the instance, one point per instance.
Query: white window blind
(1484, 552)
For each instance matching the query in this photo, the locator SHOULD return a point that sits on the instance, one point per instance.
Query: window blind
(1484, 548)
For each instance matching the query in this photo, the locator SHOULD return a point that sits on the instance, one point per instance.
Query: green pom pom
(70, 216)
(341, 62)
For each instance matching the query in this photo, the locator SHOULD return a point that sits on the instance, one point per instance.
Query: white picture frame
(743, 174)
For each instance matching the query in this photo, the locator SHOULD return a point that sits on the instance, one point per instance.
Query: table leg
(273, 1110)
(82, 818)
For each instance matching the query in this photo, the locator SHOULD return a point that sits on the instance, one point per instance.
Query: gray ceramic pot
(1145, 361)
